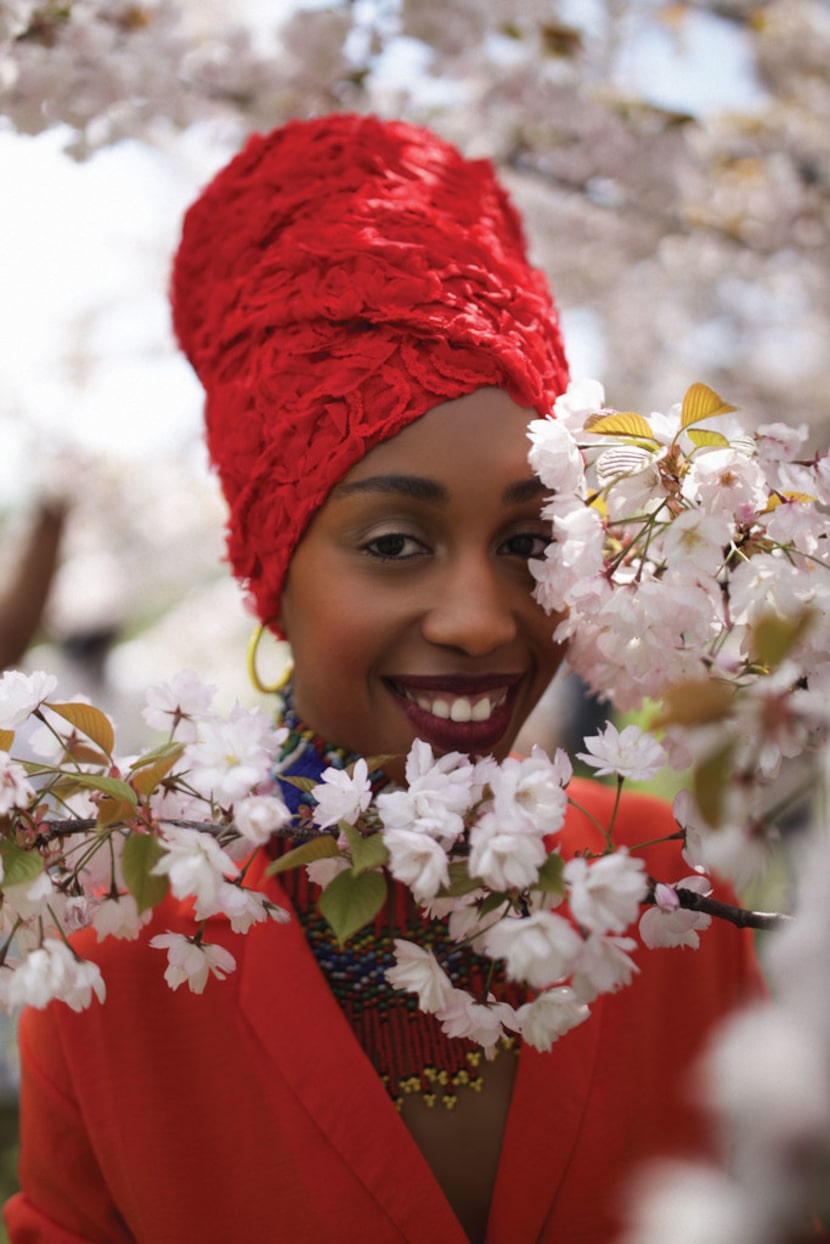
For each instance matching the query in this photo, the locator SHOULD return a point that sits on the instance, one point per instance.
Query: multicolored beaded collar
(406, 1047)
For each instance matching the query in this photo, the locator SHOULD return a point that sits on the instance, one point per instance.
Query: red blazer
(252, 1114)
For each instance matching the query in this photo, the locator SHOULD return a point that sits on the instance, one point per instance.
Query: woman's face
(408, 601)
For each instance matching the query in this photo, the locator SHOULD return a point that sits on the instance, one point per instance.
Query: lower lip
(476, 737)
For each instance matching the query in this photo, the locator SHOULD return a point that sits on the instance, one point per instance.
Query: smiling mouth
(458, 713)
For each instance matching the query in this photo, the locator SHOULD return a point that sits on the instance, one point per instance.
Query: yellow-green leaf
(147, 776)
(694, 702)
(83, 754)
(140, 855)
(112, 811)
(114, 788)
(6, 740)
(90, 721)
(802, 498)
(323, 847)
(710, 782)
(622, 423)
(701, 402)
(19, 865)
(708, 440)
(773, 638)
(351, 901)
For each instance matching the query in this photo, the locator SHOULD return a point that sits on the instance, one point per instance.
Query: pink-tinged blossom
(604, 895)
(119, 917)
(575, 554)
(541, 949)
(695, 541)
(417, 860)
(21, 694)
(548, 1017)
(669, 924)
(16, 791)
(323, 872)
(438, 792)
(555, 457)
(342, 796)
(192, 962)
(533, 787)
(629, 753)
(582, 399)
(53, 972)
(721, 480)
(232, 756)
(195, 865)
(259, 816)
(484, 1023)
(506, 857)
(178, 706)
(604, 966)
(243, 908)
(418, 971)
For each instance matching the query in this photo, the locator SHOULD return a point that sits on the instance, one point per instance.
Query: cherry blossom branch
(742, 917)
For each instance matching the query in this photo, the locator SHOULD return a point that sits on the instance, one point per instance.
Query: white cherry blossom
(16, 791)
(669, 924)
(506, 856)
(629, 753)
(257, 817)
(605, 894)
(541, 949)
(342, 796)
(21, 694)
(416, 859)
(231, 756)
(604, 966)
(548, 1017)
(418, 971)
(179, 705)
(195, 865)
(192, 963)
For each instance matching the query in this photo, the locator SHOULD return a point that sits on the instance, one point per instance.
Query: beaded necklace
(406, 1047)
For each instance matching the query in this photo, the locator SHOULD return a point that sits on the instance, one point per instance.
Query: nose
(472, 609)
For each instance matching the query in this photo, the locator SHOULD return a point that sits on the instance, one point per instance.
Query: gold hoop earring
(285, 676)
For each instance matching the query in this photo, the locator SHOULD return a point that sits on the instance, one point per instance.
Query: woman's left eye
(527, 545)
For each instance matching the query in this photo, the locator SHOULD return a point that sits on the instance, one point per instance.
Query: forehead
(482, 433)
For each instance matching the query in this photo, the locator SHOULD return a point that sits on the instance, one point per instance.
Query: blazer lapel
(287, 1002)
(549, 1100)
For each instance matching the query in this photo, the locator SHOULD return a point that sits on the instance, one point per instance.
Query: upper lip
(456, 684)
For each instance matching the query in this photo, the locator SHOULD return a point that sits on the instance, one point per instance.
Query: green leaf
(773, 638)
(302, 783)
(113, 787)
(701, 402)
(323, 847)
(711, 780)
(708, 440)
(90, 721)
(623, 423)
(140, 855)
(369, 852)
(113, 811)
(19, 865)
(350, 901)
(460, 881)
(6, 740)
(694, 702)
(550, 878)
(492, 903)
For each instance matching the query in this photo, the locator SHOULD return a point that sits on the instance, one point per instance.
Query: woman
(357, 302)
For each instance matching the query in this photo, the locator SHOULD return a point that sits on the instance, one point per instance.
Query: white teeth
(482, 710)
(462, 710)
(458, 708)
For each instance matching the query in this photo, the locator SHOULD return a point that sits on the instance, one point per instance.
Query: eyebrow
(422, 488)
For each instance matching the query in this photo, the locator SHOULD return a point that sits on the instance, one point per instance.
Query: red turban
(338, 279)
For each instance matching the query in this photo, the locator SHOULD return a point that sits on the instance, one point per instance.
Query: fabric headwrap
(334, 282)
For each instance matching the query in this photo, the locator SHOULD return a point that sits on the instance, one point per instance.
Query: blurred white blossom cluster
(690, 562)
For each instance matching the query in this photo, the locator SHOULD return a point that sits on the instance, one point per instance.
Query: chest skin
(462, 1146)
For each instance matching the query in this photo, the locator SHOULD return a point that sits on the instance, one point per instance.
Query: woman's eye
(393, 547)
(526, 545)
